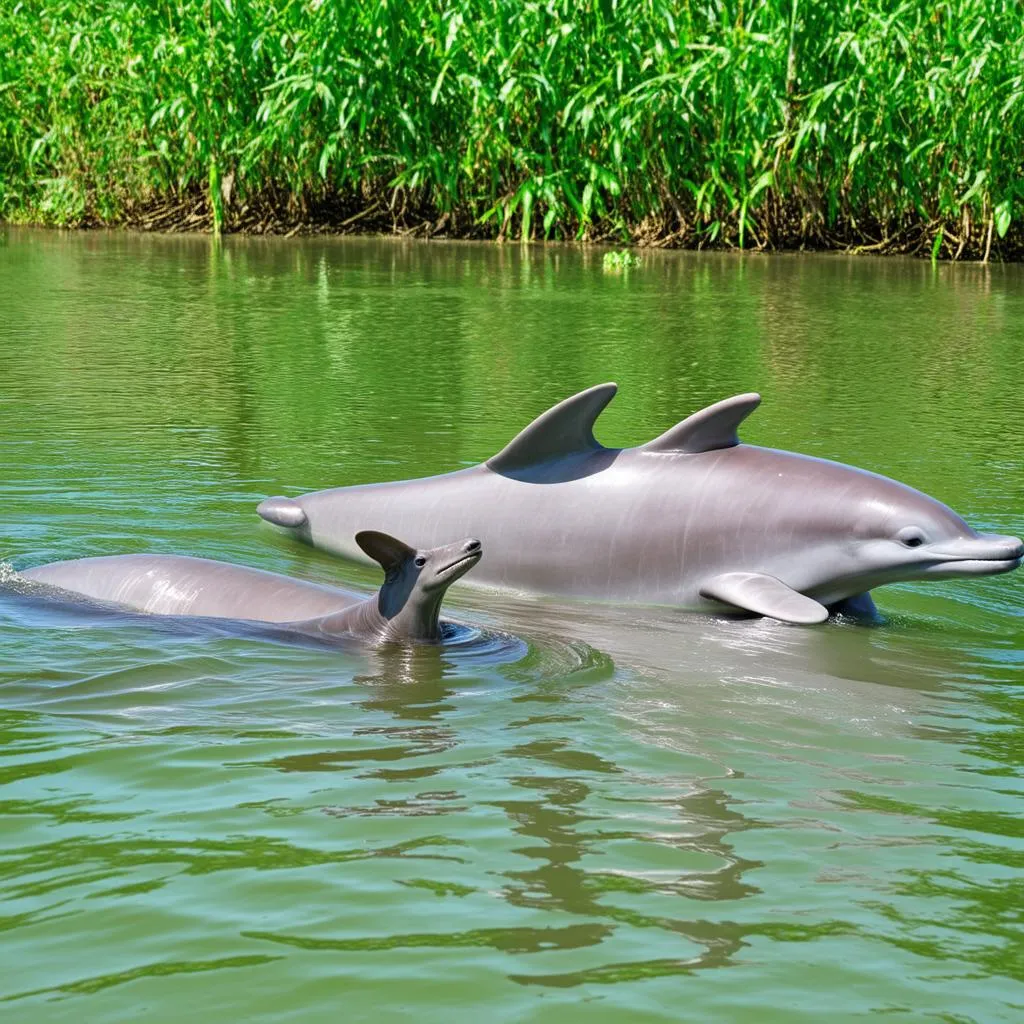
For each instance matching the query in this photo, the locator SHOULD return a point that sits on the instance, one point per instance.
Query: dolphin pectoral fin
(281, 512)
(860, 607)
(764, 595)
(707, 430)
(565, 429)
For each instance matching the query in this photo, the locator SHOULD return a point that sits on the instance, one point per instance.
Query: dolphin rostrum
(693, 518)
(405, 608)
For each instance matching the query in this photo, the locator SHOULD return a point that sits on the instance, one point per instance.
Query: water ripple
(565, 811)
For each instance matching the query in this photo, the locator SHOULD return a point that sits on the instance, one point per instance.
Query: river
(577, 812)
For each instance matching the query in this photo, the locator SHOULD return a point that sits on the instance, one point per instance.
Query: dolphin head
(848, 530)
(902, 534)
(438, 568)
(415, 581)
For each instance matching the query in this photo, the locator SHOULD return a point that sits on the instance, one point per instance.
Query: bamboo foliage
(772, 123)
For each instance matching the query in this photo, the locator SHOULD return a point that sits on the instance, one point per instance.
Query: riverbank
(832, 126)
(415, 216)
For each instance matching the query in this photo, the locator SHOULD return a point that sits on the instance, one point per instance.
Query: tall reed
(752, 123)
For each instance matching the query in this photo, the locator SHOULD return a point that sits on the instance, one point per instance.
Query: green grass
(725, 122)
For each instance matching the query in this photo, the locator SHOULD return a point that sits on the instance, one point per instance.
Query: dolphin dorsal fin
(711, 428)
(565, 429)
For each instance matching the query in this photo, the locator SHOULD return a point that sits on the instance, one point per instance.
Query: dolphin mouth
(973, 566)
(473, 557)
(985, 554)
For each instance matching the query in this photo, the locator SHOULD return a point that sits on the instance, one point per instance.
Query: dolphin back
(181, 585)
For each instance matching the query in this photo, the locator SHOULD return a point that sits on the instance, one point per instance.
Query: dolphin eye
(420, 562)
(911, 537)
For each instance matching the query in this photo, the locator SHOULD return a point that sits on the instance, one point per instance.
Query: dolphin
(693, 519)
(406, 607)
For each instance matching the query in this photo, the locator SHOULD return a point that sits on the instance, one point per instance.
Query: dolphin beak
(472, 552)
(983, 555)
(281, 512)
(460, 566)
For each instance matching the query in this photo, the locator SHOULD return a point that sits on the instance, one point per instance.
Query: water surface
(576, 812)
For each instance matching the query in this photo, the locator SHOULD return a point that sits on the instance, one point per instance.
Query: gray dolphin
(406, 607)
(693, 518)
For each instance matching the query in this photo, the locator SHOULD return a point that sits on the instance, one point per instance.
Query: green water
(574, 813)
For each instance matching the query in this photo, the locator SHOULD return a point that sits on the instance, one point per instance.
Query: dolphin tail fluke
(281, 512)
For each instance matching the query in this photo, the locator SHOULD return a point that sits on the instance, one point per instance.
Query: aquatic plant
(785, 123)
(620, 260)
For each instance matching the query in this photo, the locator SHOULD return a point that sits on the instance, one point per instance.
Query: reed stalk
(869, 124)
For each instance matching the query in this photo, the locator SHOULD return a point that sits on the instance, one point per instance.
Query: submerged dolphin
(693, 518)
(405, 608)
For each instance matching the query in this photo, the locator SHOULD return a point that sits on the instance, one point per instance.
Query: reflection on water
(565, 811)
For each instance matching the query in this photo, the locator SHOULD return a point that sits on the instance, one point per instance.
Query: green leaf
(325, 158)
(979, 180)
(763, 182)
(527, 210)
(1003, 215)
(588, 200)
(454, 24)
(439, 82)
(325, 94)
